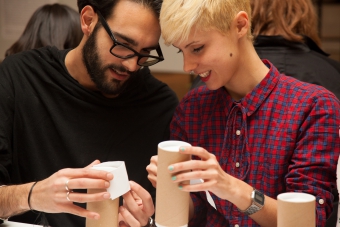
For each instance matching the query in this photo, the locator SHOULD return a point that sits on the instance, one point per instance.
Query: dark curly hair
(105, 7)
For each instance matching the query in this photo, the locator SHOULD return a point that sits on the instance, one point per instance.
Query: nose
(189, 65)
(131, 64)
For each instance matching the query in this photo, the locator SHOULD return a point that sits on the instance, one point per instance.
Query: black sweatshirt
(48, 121)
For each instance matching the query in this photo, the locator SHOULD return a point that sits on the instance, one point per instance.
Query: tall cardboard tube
(172, 204)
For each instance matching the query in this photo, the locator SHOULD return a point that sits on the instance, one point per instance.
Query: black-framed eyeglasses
(120, 50)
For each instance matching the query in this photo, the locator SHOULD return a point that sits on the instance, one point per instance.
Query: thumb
(93, 163)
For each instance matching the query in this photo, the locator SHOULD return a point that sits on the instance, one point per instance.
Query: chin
(213, 86)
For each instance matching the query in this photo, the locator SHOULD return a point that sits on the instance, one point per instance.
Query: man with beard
(60, 110)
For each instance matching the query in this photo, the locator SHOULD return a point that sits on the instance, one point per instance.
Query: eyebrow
(127, 39)
(190, 44)
(131, 41)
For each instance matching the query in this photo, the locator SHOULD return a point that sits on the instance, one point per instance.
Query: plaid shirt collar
(252, 101)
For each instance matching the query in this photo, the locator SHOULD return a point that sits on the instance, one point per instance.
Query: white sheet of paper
(209, 198)
(120, 183)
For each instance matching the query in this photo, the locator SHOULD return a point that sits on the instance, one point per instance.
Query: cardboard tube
(295, 209)
(172, 204)
(107, 209)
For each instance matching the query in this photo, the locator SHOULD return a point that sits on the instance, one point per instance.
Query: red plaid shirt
(283, 136)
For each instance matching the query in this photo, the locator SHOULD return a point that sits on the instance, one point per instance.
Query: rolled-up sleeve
(312, 167)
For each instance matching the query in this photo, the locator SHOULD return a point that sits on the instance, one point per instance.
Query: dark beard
(97, 72)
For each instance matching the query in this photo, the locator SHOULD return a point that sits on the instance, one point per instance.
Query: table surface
(15, 224)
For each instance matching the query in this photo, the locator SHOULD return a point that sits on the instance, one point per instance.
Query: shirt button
(237, 164)
(321, 201)
(238, 132)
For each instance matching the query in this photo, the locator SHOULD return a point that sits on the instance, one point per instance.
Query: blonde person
(286, 33)
(254, 130)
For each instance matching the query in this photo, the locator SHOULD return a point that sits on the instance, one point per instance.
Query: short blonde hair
(178, 17)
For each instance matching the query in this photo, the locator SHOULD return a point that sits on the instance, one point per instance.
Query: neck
(250, 73)
(76, 67)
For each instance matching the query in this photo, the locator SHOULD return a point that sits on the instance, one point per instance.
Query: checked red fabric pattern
(281, 137)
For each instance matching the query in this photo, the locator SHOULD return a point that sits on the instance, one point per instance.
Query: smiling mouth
(119, 75)
(204, 75)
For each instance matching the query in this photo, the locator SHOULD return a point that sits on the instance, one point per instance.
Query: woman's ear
(242, 23)
(88, 20)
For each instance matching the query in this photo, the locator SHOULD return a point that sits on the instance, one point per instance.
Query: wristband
(29, 196)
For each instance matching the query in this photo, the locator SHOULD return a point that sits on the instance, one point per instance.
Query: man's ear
(88, 20)
(242, 23)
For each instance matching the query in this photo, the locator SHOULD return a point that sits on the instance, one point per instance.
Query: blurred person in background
(286, 34)
(50, 25)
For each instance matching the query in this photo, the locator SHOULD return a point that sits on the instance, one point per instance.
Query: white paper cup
(119, 185)
(295, 209)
